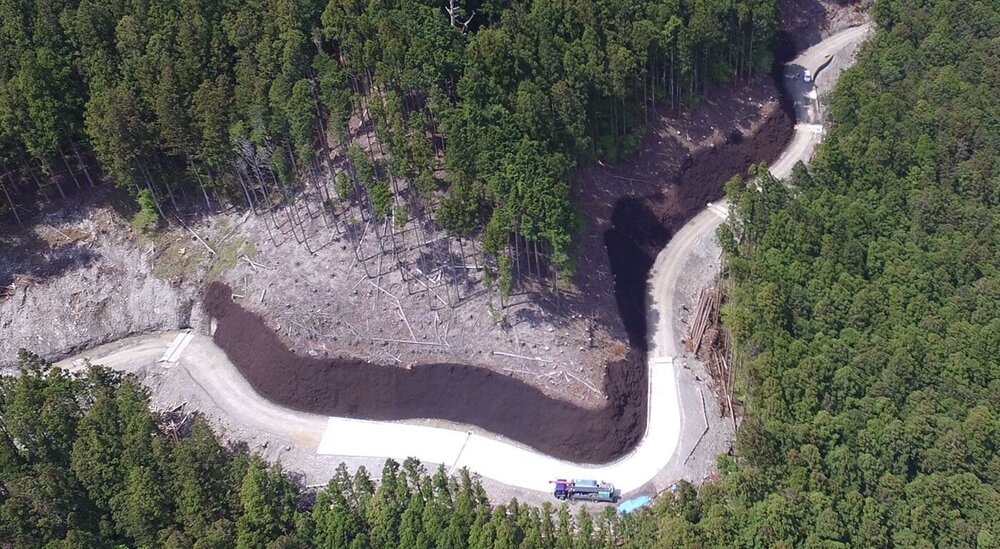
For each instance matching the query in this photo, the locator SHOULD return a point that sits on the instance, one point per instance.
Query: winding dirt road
(671, 412)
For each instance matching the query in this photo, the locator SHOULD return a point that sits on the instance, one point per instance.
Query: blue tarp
(631, 505)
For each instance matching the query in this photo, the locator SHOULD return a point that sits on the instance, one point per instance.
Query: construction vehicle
(584, 490)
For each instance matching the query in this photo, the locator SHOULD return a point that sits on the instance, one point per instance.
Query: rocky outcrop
(73, 282)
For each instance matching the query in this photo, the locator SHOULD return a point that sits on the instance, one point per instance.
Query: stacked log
(704, 340)
(706, 318)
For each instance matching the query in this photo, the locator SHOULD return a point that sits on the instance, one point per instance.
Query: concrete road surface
(670, 413)
(808, 115)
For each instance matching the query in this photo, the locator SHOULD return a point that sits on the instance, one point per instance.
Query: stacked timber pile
(177, 422)
(706, 320)
(714, 351)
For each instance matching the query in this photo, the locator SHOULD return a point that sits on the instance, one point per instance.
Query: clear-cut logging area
(351, 388)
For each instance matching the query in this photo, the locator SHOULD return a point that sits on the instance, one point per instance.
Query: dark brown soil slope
(635, 225)
(352, 388)
(348, 387)
(642, 226)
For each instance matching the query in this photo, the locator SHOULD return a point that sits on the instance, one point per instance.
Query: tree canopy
(456, 100)
(866, 309)
(85, 463)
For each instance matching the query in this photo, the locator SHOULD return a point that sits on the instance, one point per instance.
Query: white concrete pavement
(493, 457)
(512, 463)
(506, 461)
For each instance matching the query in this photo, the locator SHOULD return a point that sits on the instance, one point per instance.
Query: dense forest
(85, 464)
(866, 307)
(865, 310)
(468, 113)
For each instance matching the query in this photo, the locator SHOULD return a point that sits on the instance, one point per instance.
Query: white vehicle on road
(806, 77)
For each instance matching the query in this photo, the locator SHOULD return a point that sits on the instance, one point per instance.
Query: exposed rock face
(73, 282)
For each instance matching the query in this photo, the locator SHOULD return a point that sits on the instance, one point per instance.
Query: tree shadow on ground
(25, 252)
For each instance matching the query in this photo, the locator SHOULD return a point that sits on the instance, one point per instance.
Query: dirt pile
(637, 234)
(806, 22)
(704, 180)
(352, 388)
(630, 209)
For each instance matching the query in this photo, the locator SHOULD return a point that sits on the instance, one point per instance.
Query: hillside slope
(866, 308)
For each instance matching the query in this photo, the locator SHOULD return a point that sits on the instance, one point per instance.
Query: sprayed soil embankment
(642, 226)
(351, 388)
(347, 387)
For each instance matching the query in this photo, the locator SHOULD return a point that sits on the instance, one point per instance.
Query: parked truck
(584, 490)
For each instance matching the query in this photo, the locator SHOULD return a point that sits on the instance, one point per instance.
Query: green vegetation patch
(229, 254)
(866, 309)
(177, 257)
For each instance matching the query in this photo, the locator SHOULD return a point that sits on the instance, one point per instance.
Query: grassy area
(229, 254)
(181, 256)
(177, 257)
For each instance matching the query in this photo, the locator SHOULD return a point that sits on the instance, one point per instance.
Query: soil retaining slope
(640, 229)
(465, 394)
(642, 226)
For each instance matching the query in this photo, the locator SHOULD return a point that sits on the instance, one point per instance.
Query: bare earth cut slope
(73, 282)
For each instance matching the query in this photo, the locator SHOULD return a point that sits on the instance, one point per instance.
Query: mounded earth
(349, 387)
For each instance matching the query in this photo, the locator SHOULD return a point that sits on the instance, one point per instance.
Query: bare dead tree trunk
(201, 184)
(296, 172)
(262, 183)
(54, 180)
(152, 192)
(517, 253)
(246, 192)
(322, 183)
(13, 207)
(62, 155)
(289, 210)
(83, 165)
(170, 190)
(325, 148)
(454, 13)
(26, 163)
(475, 256)
(645, 95)
(253, 203)
(372, 91)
